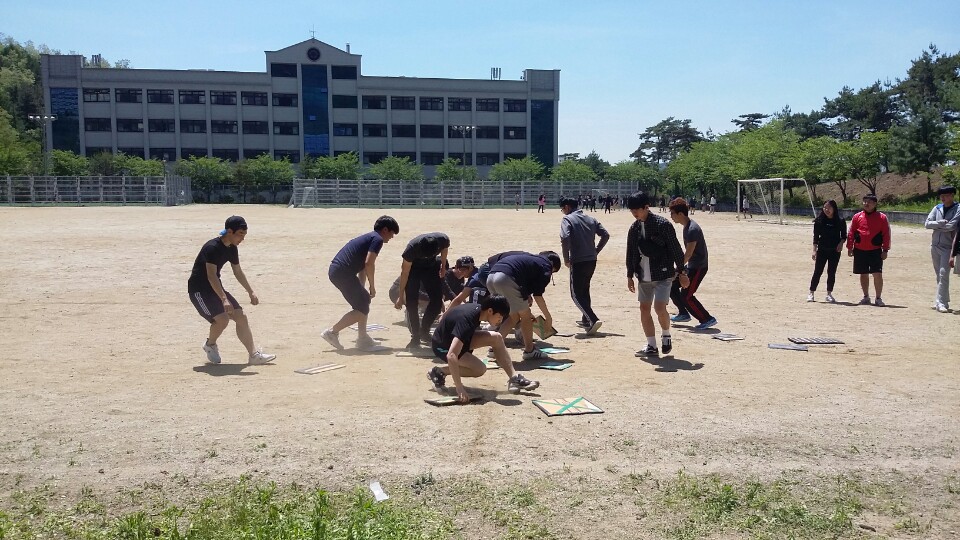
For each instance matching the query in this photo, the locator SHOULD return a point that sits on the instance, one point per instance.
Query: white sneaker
(213, 354)
(332, 338)
(810, 297)
(942, 308)
(369, 345)
(593, 329)
(259, 357)
(830, 299)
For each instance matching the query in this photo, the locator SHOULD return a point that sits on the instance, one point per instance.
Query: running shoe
(368, 344)
(437, 377)
(259, 357)
(942, 308)
(830, 299)
(878, 302)
(711, 322)
(666, 343)
(332, 338)
(810, 298)
(680, 317)
(519, 382)
(647, 352)
(594, 327)
(865, 301)
(535, 354)
(213, 354)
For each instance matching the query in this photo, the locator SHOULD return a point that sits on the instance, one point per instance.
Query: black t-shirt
(530, 272)
(425, 247)
(214, 252)
(353, 256)
(460, 322)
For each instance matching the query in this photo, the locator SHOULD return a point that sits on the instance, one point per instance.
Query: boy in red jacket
(868, 244)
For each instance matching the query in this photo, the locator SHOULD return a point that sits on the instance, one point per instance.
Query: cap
(234, 223)
(464, 261)
(946, 189)
(870, 197)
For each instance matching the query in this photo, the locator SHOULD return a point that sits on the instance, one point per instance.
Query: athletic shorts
(209, 305)
(442, 353)
(649, 292)
(350, 287)
(504, 285)
(867, 261)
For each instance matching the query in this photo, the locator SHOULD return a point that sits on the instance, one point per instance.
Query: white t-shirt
(644, 260)
(713, 200)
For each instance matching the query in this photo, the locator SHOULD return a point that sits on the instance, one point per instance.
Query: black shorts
(351, 289)
(209, 305)
(867, 261)
(442, 353)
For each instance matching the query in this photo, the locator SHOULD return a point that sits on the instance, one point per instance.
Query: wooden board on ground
(313, 370)
(815, 341)
(554, 350)
(490, 363)
(416, 354)
(450, 400)
(787, 346)
(370, 327)
(567, 406)
(727, 337)
(554, 365)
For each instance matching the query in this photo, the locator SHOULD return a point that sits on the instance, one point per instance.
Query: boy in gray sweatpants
(943, 220)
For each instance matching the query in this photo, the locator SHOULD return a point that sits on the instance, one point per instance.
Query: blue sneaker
(712, 321)
(681, 317)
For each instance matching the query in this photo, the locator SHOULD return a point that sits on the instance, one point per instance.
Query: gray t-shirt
(693, 233)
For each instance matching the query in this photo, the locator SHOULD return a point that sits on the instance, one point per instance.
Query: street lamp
(465, 132)
(42, 119)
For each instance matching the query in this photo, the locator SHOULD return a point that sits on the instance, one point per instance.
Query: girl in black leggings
(829, 235)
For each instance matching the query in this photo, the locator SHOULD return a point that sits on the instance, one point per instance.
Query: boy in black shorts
(354, 264)
(459, 333)
(422, 269)
(215, 304)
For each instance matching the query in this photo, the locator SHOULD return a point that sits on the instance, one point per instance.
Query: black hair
(553, 258)
(569, 201)
(497, 303)
(822, 217)
(388, 222)
(680, 206)
(638, 200)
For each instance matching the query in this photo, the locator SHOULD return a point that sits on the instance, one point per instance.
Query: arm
(854, 223)
(460, 298)
(443, 261)
(242, 279)
(404, 276)
(932, 222)
(886, 236)
(217, 288)
(453, 360)
(843, 235)
(604, 237)
(542, 304)
(675, 250)
(565, 250)
(688, 254)
(632, 254)
(369, 271)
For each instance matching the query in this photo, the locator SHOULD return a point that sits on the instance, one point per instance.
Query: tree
(597, 165)
(805, 125)
(869, 109)
(102, 164)
(450, 169)
(706, 167)
(263, 172)
(920, 145)
(930, 82)
(818, 160)
(15, 155)
(664, 141)
(645, 177)
(572, 171)
(343, 167)
(763, 153)
(137, 166)
(951, 173)
(396, 168)
(868, 157)
(204, 173)
(66, 163)
(750, 121)
(517, 170)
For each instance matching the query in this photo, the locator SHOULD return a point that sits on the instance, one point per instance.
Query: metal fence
(108, 190)
(450, 194)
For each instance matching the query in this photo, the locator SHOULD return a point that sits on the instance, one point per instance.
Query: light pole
(42, 119)
(465, 131)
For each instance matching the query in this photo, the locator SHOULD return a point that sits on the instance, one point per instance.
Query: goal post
(766, 195)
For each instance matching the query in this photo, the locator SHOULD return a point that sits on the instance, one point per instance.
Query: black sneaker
(437, 377)
(426, 339)
(583, 324)
(666, 343)
(414, 343)
(519, 382)
(647, 352)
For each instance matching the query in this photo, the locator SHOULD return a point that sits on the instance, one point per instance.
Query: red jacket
(869, 231)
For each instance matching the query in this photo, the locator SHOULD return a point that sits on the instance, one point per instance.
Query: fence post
(441, 194)
(79, 199)
(9, 189)
(32, 200)
(463, 193)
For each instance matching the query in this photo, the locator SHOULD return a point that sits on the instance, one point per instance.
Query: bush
(258, 199)
(226, 199)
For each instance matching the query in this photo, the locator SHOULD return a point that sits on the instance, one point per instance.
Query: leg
(243, 330)
(494, 340)
(351, 317)
(832, 263)
(878, 283)
(434, 289)
(646, 320)
(580, 275)
(412, 300)
(677, 296)
(662, 316)
(865, 284)
(696, 308)
(941, 267)
(217, 327)
(526, 329)
(818, 271)
(470, 366)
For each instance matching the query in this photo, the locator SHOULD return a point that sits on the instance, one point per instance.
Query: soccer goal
(766, 196)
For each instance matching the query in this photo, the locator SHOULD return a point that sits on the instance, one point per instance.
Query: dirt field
(104, 383)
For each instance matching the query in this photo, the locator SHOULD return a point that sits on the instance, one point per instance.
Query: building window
(133, 152)
(253, 153)
(403, 103)
(286, 128)
(513, 132)
(283, 70)
(431, 104)
(159, 96)
(129, 125)
(431, 132)
(488, 104)
(404, 130)
(253, 127)
(96, 124)
(195, 97)
(223, 126)
(460, 157)
(228, 154)
(515, 105)
(292, 155)
(220, 97)
(343, 72)
(96, 94)
(161, 125)
(193, 126)
(164, 154)
(374, 130)
(94, 150)
(344, 102)
(460, 132)
(128, 95)
(253, 98)
(374, 102)
(458, 104)
(344, 130)
(431, 158)
(187, 153)
(372, 158)
(412, 156)
(514, 156)
(488, 132)
(487, 159)
(284, 100)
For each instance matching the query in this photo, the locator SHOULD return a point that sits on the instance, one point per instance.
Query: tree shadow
(669, 364)
(224, 370)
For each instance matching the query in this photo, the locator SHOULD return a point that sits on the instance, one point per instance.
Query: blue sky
(624, 65)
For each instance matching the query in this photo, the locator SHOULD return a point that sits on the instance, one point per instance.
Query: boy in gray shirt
(695, 258)
(578, 232)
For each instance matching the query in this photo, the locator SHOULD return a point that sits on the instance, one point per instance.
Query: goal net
(772, 198)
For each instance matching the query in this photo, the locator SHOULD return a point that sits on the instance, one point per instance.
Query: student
(746, 208)
(517, 200)
(655, 258)
(713, 204)
(868, 243)
(351, 266)
(422, 268)
(829, 235)
(213, 302)
(540, 202)
(472, 290)
(519, 278)
(578, 233)
(663, 203)
(943, 220)
(695, 259)
(459, 334)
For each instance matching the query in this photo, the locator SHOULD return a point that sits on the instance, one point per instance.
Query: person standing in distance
(422, 268)
(943, 220)
(354, 264)
(577, 234)
(540, 202)
(655, 258)
(868, 243)
(213, 302)
(829, 235)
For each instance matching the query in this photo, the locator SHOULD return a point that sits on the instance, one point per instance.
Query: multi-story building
(311, 100)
